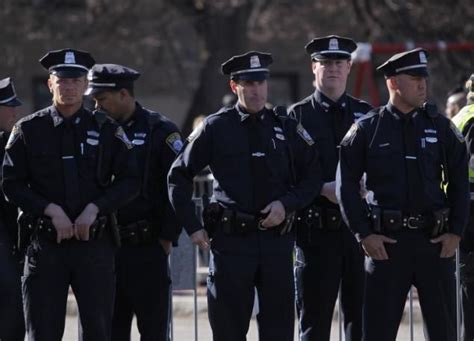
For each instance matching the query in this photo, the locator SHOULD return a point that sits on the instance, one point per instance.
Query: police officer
(148, 225)
(328, 257)
(417, 188)
(12, 326)
(455, 102)
(68, 169)
(464, 120)
(265, 168)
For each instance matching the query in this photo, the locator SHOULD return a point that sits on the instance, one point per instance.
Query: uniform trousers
(241, 263)
(332, 260)
(413, 261)
(143, 290)
(50, 268)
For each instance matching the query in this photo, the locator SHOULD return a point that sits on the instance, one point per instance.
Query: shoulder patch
(14, 136)
(120, 134)
(350, 135)
(456, 132)
(304, 134)
(175, 142)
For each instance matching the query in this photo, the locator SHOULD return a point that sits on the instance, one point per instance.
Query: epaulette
(358, 100)
(371, 114)
(222, 111)
(154, 119)
(38, 114)
(301, 103)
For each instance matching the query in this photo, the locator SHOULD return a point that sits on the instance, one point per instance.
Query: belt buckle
(410, 222)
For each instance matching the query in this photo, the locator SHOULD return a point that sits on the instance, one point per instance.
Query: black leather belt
(44, 227)
(240, 222)
(386, 221)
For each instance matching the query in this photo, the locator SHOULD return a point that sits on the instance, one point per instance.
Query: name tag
(92, 142)
(280, 137)
(93, 133)
(137, 142)
(258, 154)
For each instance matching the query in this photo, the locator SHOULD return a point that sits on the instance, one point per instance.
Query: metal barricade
(203, 183)
(188, 255)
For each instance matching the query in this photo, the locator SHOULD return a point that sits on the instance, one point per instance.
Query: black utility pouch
(313, 217)
(376, 218)
(245, 222)
(333, 219)
(96, 230)
(441, 222)
(129, 235)
(146, 233)
(392, 221)
(227, 221)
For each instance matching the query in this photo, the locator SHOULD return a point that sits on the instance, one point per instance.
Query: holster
(25, 231)
(96, 231)
(114, 229)
(211, 217)
(287, 225)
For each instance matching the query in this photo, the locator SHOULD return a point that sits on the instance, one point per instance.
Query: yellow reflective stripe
(463, 116)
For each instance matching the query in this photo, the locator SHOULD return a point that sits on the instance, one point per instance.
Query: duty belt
(240, 222)
(386, 221)
(43, 226)
(231, 221)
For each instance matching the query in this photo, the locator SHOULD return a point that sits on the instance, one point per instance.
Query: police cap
(331, 47)
(104, 77)
(7, 93)
(413, 62)
(67, 63)
(252, 65)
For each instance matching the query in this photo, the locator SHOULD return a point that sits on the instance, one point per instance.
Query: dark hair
(130, 89)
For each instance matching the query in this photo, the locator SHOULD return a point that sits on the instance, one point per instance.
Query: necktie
(257, 162)
(338, 116)
(413, 179)
(70, 171)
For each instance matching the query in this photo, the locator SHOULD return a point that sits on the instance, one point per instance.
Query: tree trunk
(224, 35)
